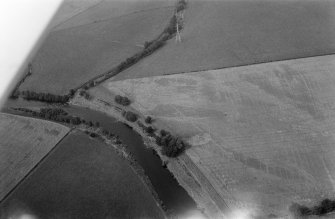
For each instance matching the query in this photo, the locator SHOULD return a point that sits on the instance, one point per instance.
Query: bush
(93, 135)
(146, 44)
(130, 116)
(148, 120)
(150, 130)
(122, 100)
(163, 132)
(72, 92)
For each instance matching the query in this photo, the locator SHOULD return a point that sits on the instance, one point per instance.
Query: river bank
(174, 197)
(182, 168)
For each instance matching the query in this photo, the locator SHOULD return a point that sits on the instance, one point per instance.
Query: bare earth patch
(262, 135)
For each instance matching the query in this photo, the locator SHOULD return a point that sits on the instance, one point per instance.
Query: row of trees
(326, 206)
(44, 97)
(149, 47)
(58, 115)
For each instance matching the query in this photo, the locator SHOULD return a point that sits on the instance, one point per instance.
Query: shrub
(72, 92)
(163, 132)
(146, 44)
(122, 100)
(131, 117)
(148, 120)
(93, 135)
(150, 130)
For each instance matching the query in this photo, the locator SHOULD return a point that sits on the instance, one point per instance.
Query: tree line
(149, 48)
(325, 206)
(44, 97)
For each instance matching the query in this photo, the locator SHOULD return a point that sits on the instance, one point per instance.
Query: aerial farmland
(220, 34)
(73, 55)
(261, 134)
(175, 109)
(24, 142)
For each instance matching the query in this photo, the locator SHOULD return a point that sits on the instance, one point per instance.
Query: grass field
(262, 135)
(72, 56)
(24, 142)
(230, 33)
(82, 178)
(108, 9)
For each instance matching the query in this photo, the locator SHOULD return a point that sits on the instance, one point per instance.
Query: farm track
(204, 182)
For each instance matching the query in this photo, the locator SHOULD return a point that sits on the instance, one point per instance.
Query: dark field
(82, 178)
(70, 57)
(220, 34)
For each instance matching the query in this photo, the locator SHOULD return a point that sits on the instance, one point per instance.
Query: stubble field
(263, 135)
(24, 142)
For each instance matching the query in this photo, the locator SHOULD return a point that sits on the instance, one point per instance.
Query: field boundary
(109, 19)
(37, 164)
(232, 67)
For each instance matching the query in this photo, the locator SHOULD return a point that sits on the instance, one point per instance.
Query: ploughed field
(24, 142)
(82, 178)
(228, 33)
(262, 135)
(70, 57)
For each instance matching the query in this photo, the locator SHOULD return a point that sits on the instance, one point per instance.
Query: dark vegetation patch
(122, 100)
(130, 116)
(172, 146)
(15, 93)
(325, 206)
(83, 178)
(149, 48)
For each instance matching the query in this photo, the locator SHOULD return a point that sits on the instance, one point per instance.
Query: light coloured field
(262, 135)
(82, 178)
(24, 142)
(71, 57)
(226, 33)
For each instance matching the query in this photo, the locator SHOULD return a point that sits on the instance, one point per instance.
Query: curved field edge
(261, 132)
(89, 169)
(204, 194)
(24, 142)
